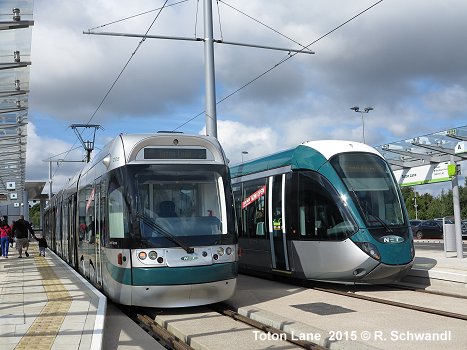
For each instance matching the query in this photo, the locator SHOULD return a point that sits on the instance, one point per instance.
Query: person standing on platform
(21, 229)
(12, 239)
(42, 244)
(5, 232)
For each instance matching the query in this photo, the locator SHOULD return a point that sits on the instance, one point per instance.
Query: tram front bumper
(384, 274)
(171, 296)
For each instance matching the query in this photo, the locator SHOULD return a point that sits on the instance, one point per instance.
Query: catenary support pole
(457, 214)
(211, 114)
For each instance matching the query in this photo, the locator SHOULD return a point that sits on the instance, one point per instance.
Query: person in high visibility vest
(277, 224)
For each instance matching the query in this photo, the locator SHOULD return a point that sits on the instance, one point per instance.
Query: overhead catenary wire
(119, 75)
(283, 60)
(128, 62)
(262, 23)
(289, 56)
(233, 93)
(138, 14)
(56, 155)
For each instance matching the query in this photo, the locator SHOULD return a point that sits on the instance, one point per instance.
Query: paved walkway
(44, 305)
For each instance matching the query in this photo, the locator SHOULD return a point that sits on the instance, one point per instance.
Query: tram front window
(183, 203)
(369, 179)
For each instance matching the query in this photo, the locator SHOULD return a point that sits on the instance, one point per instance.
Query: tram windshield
(368, 177)
(183, 201)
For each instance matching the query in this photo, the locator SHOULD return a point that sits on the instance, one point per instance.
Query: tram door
(98, 233)
(72, 249)
(276, 207)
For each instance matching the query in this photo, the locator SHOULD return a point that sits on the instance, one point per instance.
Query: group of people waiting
(19, 232)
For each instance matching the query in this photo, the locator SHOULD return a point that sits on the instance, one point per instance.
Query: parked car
(447, 220)
(414, 224)
(427, 229)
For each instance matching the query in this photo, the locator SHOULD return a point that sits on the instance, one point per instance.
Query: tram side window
(118, 213)
(86, 215)
(253, 209)
(320, 217)
(237, 194)
(58, 229)
(102, 219)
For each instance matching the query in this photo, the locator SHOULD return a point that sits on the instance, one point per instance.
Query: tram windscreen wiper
(381, 221)
(150, 222)
(388, 229)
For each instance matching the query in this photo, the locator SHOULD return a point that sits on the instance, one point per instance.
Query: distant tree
(409, 199)
(463, 199)
(35, 215)
(446, 204)
(425, 205)
(430, 207)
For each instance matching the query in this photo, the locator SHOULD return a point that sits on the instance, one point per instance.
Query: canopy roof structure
(443, 146)
(15, 60)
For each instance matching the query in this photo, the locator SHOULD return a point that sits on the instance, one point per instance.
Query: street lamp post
(244, 152)
(366, 110)
(415, 204)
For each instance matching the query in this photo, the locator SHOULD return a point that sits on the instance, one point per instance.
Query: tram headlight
(152, 255)
(229, 250)
(220, 251)
(370, 249)
(142, 255)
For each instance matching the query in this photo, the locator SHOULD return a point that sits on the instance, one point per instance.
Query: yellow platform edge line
(44, 329)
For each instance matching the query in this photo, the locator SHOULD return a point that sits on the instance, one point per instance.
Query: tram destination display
(174, 153)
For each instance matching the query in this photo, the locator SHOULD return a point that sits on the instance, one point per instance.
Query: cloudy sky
(406, 59)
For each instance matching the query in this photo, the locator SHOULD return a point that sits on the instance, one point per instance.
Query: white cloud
(452, 99)
(392, 57)
(236, 138)
(40, 150)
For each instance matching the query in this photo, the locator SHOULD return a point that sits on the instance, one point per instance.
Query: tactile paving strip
(42, 333)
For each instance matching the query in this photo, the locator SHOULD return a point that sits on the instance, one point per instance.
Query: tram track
(352, 290)
(432, 292)
(227, 311)
(432, 311)
(147, 320)
(165, 325)
(160, 334)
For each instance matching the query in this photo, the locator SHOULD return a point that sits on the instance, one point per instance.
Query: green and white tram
(324, 210)
(150, 221)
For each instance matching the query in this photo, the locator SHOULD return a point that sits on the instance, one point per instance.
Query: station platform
(436, 269)
(44, 304)
(330, 320)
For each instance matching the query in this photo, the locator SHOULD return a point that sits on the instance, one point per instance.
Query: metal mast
(211, 114)
(210, 88)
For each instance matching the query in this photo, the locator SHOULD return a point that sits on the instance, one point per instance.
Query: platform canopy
(426, 159)
(427, 149)
(15, 59)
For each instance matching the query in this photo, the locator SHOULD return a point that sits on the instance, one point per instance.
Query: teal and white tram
(324, 210)
(150, 221)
